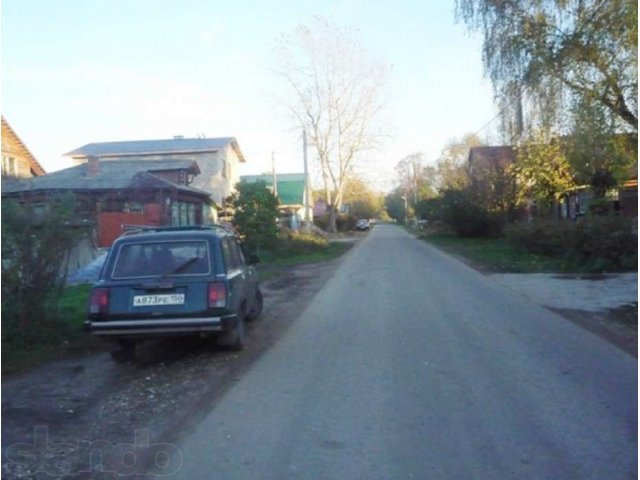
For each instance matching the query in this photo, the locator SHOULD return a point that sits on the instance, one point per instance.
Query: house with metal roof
(17, 160)
(114, 194)
(218, 158)
(289, 190)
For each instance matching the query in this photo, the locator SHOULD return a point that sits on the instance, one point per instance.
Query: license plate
(164, 299)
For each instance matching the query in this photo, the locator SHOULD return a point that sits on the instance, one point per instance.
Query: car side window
(243, 260)
(235, 256)
(226, 254)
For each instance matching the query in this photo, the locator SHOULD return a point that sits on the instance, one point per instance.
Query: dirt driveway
(90, 418)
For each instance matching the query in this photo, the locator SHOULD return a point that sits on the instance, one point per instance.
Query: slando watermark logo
(124, 459)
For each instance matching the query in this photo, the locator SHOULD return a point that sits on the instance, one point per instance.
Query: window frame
(205, 245)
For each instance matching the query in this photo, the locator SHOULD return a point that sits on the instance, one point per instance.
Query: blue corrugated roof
(152, 147)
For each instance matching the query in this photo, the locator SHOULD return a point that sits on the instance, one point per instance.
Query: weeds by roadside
(595, 244)
(501, 255)
(60, 338)
(295, 249)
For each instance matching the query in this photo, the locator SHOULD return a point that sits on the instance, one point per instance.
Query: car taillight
(99, 302)
(217, 295)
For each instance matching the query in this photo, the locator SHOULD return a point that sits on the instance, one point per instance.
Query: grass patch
(500, 256)
(284, 255)
(316, 254)
(60, 338)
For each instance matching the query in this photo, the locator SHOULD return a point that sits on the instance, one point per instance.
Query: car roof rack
(139, 229)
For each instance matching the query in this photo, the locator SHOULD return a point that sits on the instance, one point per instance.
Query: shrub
(290, 243)
(344, 223)
(601, 206)
(467, 218)
(256, 211)
(605, 242)
(35, 248)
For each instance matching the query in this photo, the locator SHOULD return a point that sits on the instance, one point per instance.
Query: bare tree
(335, 93)
(452, 173)
(416, 178)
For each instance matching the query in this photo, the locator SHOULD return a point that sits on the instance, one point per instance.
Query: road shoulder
(83, 401)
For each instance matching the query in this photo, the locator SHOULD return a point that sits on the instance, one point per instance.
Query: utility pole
(273, 172)
(306, 196)
(406, 216)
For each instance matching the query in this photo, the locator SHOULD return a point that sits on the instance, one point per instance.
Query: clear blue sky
(81, 71)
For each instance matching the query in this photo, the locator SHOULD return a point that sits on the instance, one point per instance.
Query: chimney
(93, 166)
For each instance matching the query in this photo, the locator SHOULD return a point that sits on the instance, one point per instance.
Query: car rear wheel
(256, 311)
(234, 338)
(126, 353)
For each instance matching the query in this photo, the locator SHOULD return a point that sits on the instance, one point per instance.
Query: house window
(175, 214)
(183, 213)
(223, 168)
(191, 214)
(9, 166)
(133, 207)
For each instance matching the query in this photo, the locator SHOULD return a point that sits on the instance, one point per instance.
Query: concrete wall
(220, 172)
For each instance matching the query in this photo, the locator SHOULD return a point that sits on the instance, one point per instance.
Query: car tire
(125, 354)
(233, 339)
(256, 311)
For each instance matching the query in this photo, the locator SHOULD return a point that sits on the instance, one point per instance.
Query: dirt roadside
(91, 418)
(617, 325)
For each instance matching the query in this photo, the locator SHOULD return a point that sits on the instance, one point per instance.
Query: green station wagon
(174, 281)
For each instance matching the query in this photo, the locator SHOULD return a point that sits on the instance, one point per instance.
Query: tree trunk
(332, 225)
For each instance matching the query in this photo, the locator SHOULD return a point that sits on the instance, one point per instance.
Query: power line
(502, 110)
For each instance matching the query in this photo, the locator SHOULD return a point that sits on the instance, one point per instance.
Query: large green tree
(395, 204)
(541, 171)
(543, 50)
(599, 156)
(364, 202)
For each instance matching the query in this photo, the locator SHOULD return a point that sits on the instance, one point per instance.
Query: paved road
(408, 364)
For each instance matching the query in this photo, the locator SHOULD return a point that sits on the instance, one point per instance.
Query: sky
(84, 71)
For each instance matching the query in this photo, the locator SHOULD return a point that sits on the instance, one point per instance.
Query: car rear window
(170, 258)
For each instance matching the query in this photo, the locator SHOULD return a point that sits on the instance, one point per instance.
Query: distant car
(175, 281)
(363, 224)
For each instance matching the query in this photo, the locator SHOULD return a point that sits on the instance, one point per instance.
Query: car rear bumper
(164, 326)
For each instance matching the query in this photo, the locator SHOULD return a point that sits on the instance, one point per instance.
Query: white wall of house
(219, 173)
